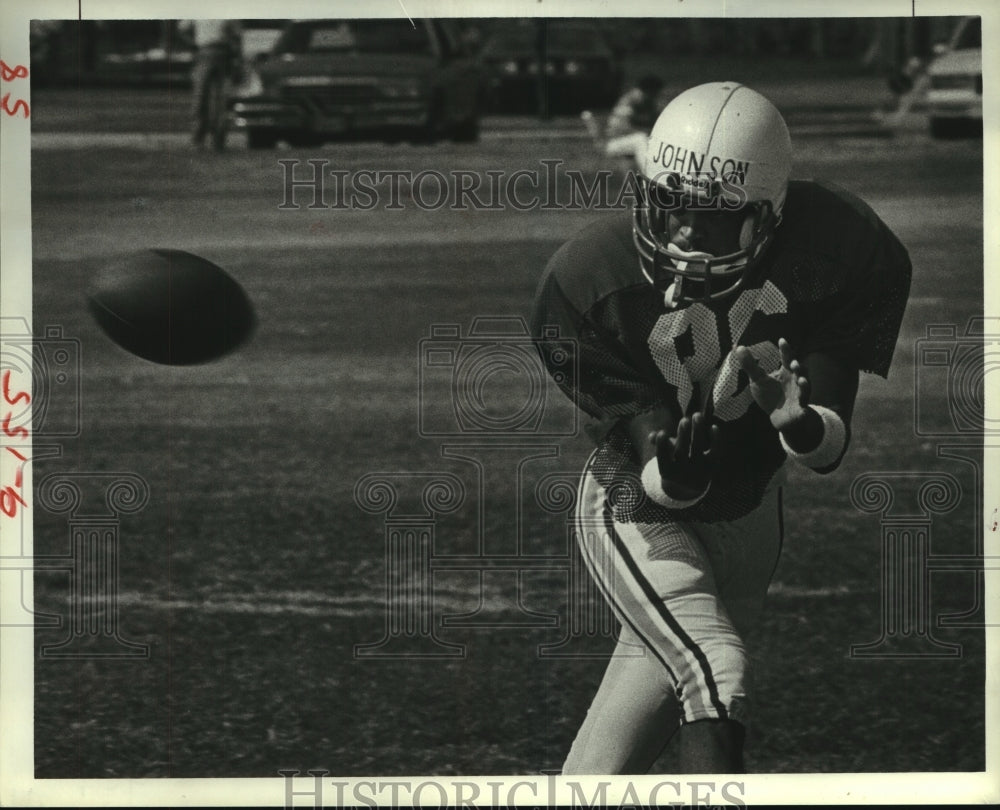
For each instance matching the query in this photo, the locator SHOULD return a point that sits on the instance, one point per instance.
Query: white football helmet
(718, 147)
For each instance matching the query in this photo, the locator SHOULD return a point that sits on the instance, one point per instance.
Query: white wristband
(831, 446)
(652, 482)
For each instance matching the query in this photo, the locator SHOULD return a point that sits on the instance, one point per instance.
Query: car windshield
(262, 25)
(584, 40)
(972, 35)
(523, 39)
(355, 36)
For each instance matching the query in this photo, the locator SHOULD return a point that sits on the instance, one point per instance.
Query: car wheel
(305, 139)
(261, 139)
(956, 127)
(466, 131)
(429, 132)
(219, 139)
(942, 128)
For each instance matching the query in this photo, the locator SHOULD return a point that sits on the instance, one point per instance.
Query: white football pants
(685, 593)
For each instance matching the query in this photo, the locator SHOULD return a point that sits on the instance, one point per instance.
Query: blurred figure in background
(637, 109)
(218, 54)
(629, 123)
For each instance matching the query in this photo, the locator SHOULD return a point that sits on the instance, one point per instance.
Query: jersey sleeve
(609, 382)
(869, 278)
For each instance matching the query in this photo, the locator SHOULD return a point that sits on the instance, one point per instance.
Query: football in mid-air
(171, 307)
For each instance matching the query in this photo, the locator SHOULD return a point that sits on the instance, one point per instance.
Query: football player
(624, 136)
(637, 109)
(720, 333)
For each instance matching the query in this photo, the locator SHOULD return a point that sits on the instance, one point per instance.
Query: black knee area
(712, 745)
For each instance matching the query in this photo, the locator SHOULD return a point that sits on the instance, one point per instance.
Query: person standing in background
(218, 48)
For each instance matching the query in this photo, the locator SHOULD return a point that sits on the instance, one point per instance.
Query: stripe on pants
(636, 602)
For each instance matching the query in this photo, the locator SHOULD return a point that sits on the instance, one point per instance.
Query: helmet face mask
(711, 191)
(699, 271)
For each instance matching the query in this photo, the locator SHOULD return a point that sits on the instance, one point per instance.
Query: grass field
(252, 573)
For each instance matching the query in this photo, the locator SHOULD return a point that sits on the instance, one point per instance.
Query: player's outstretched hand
(782, 394)
(687, 458)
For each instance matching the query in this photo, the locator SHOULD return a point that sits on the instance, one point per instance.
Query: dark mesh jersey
(834, 280)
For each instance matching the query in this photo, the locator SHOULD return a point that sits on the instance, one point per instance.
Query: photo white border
(18, 787)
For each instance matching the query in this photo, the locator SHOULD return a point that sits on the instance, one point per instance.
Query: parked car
(955, 82)
(151, 52)
(581, 70)
(259, 37)
(335, 79)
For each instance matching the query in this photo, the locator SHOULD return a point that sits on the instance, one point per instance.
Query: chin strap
(672, 296)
